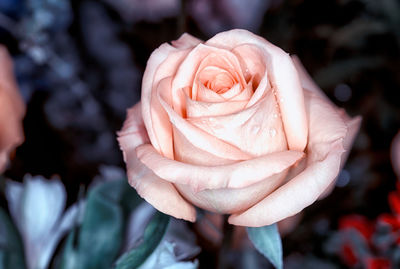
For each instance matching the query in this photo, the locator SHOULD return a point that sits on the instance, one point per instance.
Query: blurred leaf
(100, 236)
(152, 237)
(69, 259)
(97, 241)
(268, 242)
(11, 250)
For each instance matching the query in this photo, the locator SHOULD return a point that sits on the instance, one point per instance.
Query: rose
(234, 126)
(12, 109)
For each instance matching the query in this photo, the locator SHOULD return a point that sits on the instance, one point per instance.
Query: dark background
(79, 66)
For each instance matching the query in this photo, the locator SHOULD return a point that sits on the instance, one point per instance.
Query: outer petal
(12, 109)
(256, 130)
(236, 175)
(162, 64)
(156, 191)
(284, 80)
(325, 150)
(186, 41)
(133, 132)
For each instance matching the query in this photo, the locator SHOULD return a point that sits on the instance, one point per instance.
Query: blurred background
(79, 65)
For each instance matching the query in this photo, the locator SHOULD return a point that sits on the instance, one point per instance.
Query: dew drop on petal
(255, 129)
(272, 132)
(275, 116)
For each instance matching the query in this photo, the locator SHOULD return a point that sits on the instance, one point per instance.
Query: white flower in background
(177, 245)
(37, 207)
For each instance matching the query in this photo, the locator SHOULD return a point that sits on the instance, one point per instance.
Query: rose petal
(186, 152)
(199, 58)
(236, 175)
(156, 191)
(295, 195)
(133, 132)
(206, 95)
(221, 201)
(324, 153)
(284, 79)
(206, 109)
(256, 130)
(162, 63)
(186, 41)
(201, 139)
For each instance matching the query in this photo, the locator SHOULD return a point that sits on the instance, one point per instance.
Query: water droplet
(211, 120)
(272, 132)
(275, 116)
(281, 100)
(246, 71)
(255, 129)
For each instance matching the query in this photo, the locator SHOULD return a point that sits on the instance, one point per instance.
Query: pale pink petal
(205, 109)
(200, 57)
(163, 63)
(186, 152)
(283, 78)
(236, 175)
(156, 191)
(231, 200)
(232, 92)
(395, 154)
(245, 94)
(186, 41)
(295, 195)
(306, 81)
(206, 95)
(200, 138)
(324, 154)
(133, 132)
(12, 109)
(256, 130)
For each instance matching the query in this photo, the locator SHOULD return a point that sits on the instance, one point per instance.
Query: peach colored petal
(159, 193)
(306, 81)
(245, 94)
(231, 200)
(205, 109)
(206, 95)
(201, 139)
(186, 152)
(133, 132)
(256, 130)
(236, 175)
(283, 78)
(295, 195)
(395, 154)
(12, 109)
(200, 57)
(252, 60)
(324, 153)
(163, 63)
(186, 41)
(232, 92)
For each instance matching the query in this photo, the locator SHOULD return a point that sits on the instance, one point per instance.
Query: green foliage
(152, 237)
(11, 250)
(268, 242)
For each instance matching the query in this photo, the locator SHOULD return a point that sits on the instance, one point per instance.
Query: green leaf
(101, 232)
(268, 242)
(69, 258)
(11, 249)
(97, 241)
(153, 235)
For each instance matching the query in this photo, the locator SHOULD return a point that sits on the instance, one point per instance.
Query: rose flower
(234, 126)
(12, 109)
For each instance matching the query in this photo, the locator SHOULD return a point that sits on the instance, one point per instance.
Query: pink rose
(12, 109)
(234, 126)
